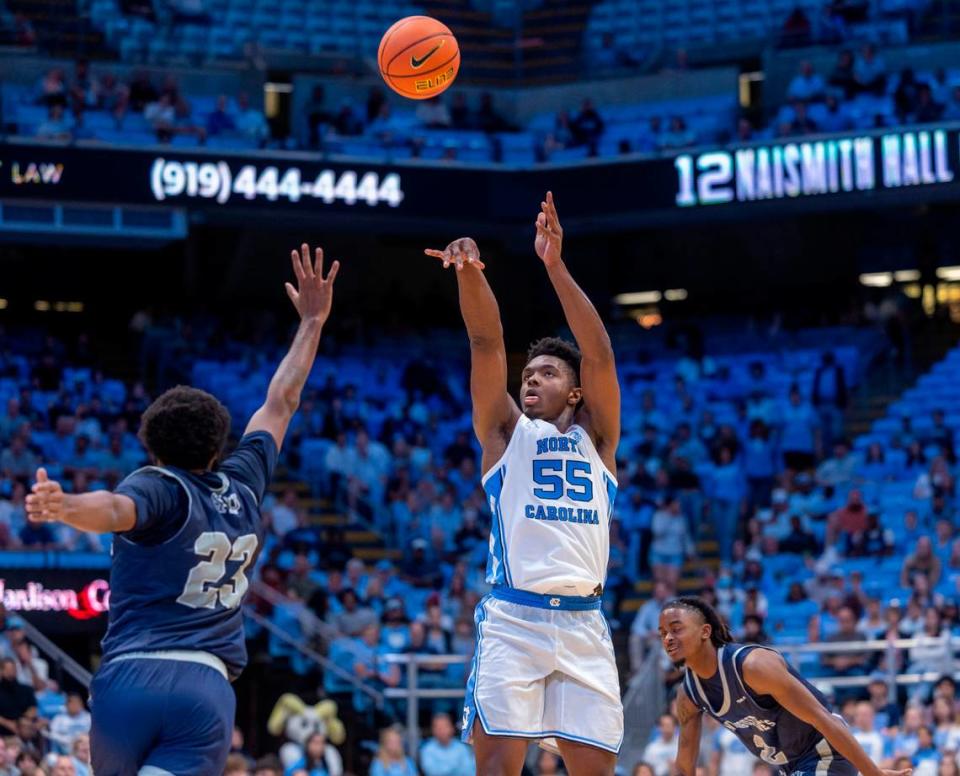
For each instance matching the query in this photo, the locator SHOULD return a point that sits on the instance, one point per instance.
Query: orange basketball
(418, 57)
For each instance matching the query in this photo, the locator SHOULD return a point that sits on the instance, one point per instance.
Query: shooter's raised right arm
(495, 413)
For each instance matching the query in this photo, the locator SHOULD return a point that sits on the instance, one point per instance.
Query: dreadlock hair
(719, 630)
(185, 427)
(559, 348)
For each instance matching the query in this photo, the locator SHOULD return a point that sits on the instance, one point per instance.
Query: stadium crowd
(744, 450)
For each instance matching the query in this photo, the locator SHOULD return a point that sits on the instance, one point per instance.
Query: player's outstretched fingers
(334, 269)
(442, 255)
(305, 260)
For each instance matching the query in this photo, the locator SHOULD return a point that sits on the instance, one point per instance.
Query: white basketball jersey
(551, 498)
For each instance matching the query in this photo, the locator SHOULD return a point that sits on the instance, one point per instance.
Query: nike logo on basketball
(415, 63)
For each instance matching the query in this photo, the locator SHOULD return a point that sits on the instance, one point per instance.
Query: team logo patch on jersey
(229, 503)
(554, 602)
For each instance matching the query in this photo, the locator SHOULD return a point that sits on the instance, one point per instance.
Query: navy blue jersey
(179, 576)
(767, 729)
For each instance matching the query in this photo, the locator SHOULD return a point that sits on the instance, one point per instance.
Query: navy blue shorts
(172, 715)
(825, 762)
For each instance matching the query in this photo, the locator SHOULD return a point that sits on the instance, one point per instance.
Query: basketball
(418, 57)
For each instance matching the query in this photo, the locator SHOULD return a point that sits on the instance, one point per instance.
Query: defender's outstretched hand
(45, 502)
(549, 241)
(460, 253)
(313, 295)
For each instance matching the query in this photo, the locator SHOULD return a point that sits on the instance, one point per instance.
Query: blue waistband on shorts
(570, 603)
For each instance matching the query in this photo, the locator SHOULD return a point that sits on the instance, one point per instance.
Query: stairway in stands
(369, 546)
(61, 30)
(542, 47)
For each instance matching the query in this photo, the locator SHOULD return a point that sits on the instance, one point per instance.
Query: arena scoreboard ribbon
(819, 172)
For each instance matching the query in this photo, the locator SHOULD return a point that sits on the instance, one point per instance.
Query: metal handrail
(412, 693)
(59, 657)
(324, 662)
(318, 627)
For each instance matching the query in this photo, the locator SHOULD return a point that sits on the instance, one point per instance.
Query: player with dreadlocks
(782, 718)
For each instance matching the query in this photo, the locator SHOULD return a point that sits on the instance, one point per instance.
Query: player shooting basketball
(544, 667)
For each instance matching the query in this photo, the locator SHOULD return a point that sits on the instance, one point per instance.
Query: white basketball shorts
(544, 669)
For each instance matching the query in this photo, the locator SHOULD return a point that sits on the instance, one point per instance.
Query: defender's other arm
(688, 750)
(766, 673)
(98, 512)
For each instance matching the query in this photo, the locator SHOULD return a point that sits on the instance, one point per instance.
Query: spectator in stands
(678, 135)
(53, 88)
(28, 763)
(17, 460)
(947, 726)
(886, 712)
(391, 760)
(354, 618)
(834, 119)
(846, 663)
(662, 751)
(57, 126)
(672, 543)
(727, 490)
(320, 758)
(433, 114)
(924, 561)
(80, 754)
(905, 95)
(317, 115)
(843, 77)
(796, 30)
(347, 123)
(849, 519)
(74, 721)
(443, 754)
(220, 120)
(644, 629)
(587, 127)
(744, 133)
(802, 124)
(111, 94)
(561, 136)
(487, 118)
(865, 731)
(874, 541)
(931, 654)
(839, 469)
(268, 766)
(250, 121)
(870, 72)
(798, 541)
(162, 116)
(643, 769)
(799, 432)
(142, 91)
(951, 111)
(807, 85)
(16, 699)
(927, 110)
(906, 741)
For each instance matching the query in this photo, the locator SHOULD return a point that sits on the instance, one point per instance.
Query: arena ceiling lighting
(675, 294)
(638, 297)
(907, 275)
(876, 279)
(948, 273)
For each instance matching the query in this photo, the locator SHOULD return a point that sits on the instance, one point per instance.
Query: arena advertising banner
(856, 169)
(58, 601)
